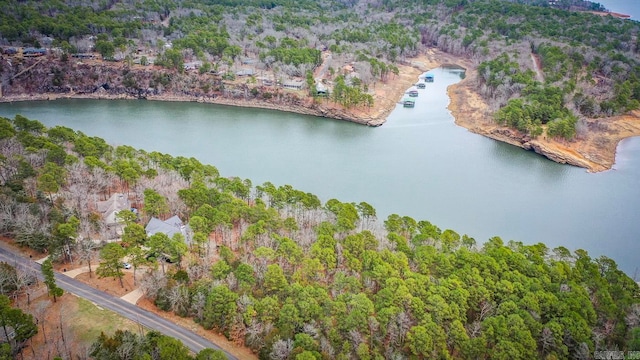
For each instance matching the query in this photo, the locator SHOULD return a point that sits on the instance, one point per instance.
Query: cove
(419, 163)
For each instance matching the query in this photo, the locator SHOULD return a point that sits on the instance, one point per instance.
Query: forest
(293, 277)
(543, 69)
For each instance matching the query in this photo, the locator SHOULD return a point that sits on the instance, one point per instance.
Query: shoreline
(594, 150)
(611, 13)
(386, 95)
(298, 109)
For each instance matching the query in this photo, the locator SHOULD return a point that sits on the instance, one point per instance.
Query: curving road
(148, 319)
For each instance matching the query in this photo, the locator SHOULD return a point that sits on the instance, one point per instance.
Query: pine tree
(50, 280)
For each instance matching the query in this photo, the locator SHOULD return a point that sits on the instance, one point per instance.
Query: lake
(418, 164)
(627, 7)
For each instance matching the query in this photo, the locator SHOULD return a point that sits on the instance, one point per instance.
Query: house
(46, 41)
(7, 335)
(33, 52)
(193, 65)
(83, 56)
(110, 208)
(321, 89)
(245, 72)
(266, 81)
(349, 79)
(169, 227)
(293, 84)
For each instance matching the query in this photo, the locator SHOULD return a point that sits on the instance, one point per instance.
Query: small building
(46, 41)
(33, 52)
(119, 56)
(83, 56)
(266, 81)
(408, 102)
(352, 78)
(193, 65)
(245, 72)
(321, 89)
(293, 84)
(8, 334)
(150, 59)
(110, 208)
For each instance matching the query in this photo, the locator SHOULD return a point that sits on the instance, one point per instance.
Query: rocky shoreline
(253, 103)
(595, 151)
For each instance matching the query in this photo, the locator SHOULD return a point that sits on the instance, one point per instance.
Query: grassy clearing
(89, 320)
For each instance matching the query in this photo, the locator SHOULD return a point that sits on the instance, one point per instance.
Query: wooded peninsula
(555, 77)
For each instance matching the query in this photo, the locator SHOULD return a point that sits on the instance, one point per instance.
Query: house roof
(293, 83)
(245, 72)
(175, 221)
(192, 65)
(169, 227)
(117, 202)
(9, 335)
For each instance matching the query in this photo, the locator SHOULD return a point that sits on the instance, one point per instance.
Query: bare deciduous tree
(255, 335)
(153, 282)
(86, 250)
(326, 347)
(178, 297)
(281, 349)
(40, 312)
(198, 303)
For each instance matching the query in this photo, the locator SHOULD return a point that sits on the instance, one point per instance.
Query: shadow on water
(518, 159)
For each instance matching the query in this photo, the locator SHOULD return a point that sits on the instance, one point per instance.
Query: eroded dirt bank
(594, 148)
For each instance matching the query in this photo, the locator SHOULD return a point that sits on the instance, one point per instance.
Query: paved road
(148, 319)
